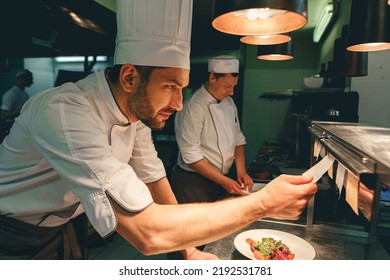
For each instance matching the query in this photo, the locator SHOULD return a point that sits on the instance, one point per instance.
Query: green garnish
(267, 246)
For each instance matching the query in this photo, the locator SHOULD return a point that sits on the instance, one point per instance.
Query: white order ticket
(320, 167)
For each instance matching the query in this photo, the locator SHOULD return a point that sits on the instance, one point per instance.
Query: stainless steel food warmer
(365, 151)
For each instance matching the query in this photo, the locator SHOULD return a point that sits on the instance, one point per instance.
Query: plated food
(269, 248)
(301, 249)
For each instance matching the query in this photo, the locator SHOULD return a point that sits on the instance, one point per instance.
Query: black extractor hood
(34, 28)
(47, 28)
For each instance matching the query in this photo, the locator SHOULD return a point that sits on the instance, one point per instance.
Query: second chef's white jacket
(208, 129)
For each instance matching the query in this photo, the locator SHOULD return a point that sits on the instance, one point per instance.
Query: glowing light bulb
(374, 44)
(261, 13)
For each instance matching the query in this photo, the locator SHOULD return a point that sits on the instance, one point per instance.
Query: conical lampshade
(369, 26)
(266, 39)
(259, 17)
(276, 52)
(348, 63)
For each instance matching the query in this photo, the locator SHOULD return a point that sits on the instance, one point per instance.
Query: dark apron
(23, 241)
(191, 187)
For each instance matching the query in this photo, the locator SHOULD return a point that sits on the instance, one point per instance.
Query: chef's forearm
(239, 155)
(161, 192)
(163, 228)
(204, 168)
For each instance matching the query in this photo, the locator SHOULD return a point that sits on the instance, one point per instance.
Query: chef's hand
(200, 255)
(286, 196)
(245, 181)
(233, 187)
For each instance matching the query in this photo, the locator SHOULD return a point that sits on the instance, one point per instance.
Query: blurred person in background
(14, 99)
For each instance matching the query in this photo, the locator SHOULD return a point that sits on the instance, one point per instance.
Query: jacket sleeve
(188, 128)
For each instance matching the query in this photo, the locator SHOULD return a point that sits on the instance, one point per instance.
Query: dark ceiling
(33, 28)
(46, 28)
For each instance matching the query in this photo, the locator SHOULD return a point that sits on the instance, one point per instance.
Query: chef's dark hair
(219, 75)
(144, 71)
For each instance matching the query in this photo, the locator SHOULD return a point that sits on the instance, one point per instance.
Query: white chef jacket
(72, 144)
(208, 129)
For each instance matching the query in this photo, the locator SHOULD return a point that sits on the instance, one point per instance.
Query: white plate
(301, 248)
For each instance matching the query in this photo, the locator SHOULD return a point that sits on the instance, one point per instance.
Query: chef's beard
(140, 106)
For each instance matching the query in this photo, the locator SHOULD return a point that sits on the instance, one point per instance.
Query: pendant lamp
(276, 52)
(348, 63)
(266, 39)
(369, 26)
(259, 17)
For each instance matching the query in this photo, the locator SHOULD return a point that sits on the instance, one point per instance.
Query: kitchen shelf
(280, 94)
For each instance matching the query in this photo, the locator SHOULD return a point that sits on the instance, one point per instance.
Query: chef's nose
(177, 101)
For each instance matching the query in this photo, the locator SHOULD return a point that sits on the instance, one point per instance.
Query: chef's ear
(212, 77)
(127, 77)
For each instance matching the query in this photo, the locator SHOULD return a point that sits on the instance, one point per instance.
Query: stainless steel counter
(328, 246)
(369, 144)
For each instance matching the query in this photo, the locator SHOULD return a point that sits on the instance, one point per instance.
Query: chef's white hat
(223, 64)
(154, 32)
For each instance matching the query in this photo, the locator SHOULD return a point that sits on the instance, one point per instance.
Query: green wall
(272, 118)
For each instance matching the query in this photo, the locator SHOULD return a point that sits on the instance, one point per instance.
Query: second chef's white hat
(154, 32)
(223, 64)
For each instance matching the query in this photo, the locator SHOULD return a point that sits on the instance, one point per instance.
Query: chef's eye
(170, 87)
